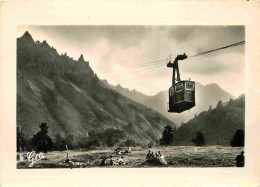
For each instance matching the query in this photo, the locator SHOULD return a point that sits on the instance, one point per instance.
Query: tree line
(41, 142)
(168, 137)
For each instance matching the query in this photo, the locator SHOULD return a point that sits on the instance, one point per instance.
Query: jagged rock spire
(81, 58)
(26, 34)
(27, 37)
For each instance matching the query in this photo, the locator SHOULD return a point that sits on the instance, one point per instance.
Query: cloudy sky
(114, 51)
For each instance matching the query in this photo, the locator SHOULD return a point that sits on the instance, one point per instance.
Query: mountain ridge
(70, 97)
(206, 96)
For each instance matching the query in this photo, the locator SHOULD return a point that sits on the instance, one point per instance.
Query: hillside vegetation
(217, 125)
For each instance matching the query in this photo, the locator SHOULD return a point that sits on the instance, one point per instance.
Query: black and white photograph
(130, 96)
(129, 93)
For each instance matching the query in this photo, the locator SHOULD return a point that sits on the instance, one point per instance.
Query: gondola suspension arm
(175, 67)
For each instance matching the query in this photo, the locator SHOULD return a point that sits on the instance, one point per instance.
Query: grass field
(176, 156)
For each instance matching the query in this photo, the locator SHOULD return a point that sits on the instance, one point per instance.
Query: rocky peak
(26, 34)
(81, 58)
(27, 37)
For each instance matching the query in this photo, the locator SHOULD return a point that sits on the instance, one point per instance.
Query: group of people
(158, 156)
(240, 159)
(151, 154)
(110, 161)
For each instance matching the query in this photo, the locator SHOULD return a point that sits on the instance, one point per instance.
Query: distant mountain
(132, 94)
(70, 98)
(217, 125)
(206, 96)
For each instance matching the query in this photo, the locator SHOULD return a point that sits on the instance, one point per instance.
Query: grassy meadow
(176, 156)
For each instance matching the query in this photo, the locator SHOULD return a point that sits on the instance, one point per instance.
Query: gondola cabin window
(179, 87)
(189, 86)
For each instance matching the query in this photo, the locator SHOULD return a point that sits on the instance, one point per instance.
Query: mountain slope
(217, 125)
(206, 96)
(69, 96)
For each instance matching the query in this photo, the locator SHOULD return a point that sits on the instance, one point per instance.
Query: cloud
(217, 65)
(211, 36)
(113, 50)
(83, 36)
(183, 33)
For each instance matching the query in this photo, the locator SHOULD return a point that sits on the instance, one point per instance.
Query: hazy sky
(112, 51)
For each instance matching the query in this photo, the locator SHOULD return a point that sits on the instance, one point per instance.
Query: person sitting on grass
(160, 154)
(148, 155)
(112, 162)
(121, 161)
(103, 162)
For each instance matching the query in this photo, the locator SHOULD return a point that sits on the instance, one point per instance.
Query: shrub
(238, 139)
(41, 142)
(167, 136)
(199, 139)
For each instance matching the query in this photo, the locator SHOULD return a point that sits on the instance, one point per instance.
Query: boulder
(156, 161)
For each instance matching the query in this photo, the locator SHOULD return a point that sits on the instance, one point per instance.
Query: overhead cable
(159, 62)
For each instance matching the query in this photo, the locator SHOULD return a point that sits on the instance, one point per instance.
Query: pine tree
(220, 104)
(167, 136)
(238, 139)
(231, 102)
(41, 141)
(199, 139)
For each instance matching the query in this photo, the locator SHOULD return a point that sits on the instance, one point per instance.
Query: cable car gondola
(182, 92)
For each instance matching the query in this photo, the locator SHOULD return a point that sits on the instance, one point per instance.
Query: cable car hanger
(182, 93)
